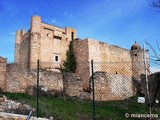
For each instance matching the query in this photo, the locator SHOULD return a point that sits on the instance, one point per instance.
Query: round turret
(135, 46)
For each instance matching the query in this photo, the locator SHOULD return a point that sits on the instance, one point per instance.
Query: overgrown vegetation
(72, 109)
(69, 64)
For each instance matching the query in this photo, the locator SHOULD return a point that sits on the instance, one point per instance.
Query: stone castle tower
(42, 41)
(138, 63)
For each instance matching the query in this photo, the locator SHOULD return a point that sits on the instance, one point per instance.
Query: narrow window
(135, 54)
(56, 58)
(72, 35)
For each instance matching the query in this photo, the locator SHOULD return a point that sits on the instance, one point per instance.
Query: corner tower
(35, 41)
(137, 55)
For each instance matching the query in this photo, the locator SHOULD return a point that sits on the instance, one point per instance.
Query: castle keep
(114, 67)
(44, 42)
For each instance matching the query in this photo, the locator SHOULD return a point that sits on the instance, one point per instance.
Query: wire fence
(97, 91)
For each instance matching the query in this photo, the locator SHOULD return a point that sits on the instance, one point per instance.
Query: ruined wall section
(21, 80)
(3, 73)
(73, 84)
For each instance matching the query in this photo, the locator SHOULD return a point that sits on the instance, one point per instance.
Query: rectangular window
(56, 57)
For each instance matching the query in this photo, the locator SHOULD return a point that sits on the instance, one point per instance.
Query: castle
(49, 44)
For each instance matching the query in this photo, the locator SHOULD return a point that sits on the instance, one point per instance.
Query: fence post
(37, 94)
(94, 113)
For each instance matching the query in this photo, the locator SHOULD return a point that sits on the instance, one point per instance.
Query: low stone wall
(20, 79)
(73, 84)
(107, 86)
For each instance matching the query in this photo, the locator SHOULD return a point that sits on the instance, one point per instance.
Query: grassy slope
(69, 109)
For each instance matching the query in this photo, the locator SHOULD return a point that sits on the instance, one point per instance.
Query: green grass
(69, 109)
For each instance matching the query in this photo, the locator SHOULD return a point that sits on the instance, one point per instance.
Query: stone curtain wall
(107, 86)
(20, 79)
(2, 73)
(112, 86)
(103, 53)
(109, 58)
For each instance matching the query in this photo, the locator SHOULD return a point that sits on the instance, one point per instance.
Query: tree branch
(158, 45)
(155, 3)
(155, 53)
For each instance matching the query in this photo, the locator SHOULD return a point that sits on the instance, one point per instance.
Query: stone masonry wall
(108, 58)
(54, 42)
(112, 86)
(20, 79)
(24, 50)
(44, 42)
(80, 48)
(73, 84)
(3, 73)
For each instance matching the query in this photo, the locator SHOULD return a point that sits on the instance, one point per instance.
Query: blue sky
(117, 22)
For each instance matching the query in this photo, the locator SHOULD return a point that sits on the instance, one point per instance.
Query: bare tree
(154, 79)
(155, 3)
(155, 56)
